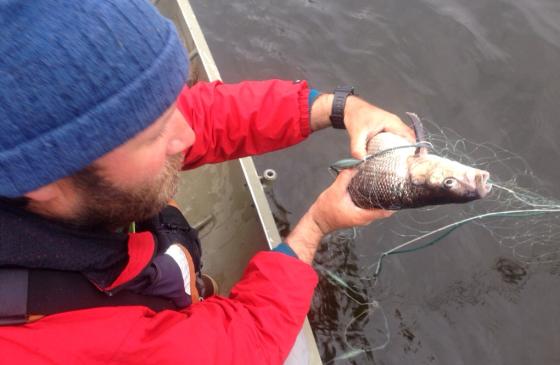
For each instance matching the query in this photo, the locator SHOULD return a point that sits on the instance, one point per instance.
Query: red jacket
(258, 323)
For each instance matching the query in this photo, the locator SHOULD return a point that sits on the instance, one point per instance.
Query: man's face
(134, 181)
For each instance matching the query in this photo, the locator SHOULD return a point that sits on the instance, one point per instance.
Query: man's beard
(102, 205)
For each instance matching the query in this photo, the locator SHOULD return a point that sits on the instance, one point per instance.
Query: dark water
(487, 69)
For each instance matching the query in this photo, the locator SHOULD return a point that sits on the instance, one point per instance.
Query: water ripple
(462, 15)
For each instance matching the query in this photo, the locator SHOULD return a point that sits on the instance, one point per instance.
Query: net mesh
(519, 215)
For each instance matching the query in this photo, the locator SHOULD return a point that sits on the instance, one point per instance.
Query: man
(95, 123)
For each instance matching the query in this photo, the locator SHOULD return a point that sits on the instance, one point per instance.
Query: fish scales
(381, 181)
(401, 176)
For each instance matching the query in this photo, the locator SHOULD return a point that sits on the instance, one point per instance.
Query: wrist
(352, 103)
(305, 238)
(321, 111)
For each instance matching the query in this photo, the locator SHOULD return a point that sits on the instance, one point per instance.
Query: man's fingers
(366, 216)
(403, 131)
(345, 176)
(397, 126)
(392, 124)
(386, 213)
(358, 145)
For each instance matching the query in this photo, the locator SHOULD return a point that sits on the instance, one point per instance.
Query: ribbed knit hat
(77, 79)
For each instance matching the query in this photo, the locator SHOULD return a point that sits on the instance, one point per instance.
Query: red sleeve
(237, 120)
(258, 324)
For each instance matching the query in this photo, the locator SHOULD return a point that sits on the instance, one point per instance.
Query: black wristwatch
(337, 112)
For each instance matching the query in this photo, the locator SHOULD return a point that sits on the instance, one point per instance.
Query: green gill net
(520, 215)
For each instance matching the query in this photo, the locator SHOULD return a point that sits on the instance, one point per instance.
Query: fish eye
(449, 182)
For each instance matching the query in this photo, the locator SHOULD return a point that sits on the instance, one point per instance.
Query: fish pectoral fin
(347, 163)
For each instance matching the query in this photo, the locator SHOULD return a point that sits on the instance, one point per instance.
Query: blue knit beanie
(77, 79)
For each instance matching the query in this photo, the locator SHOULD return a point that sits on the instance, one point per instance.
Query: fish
(397, 174)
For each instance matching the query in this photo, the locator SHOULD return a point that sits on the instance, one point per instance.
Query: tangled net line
(517, 214)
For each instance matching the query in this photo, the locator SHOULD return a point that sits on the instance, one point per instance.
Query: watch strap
(339, 102)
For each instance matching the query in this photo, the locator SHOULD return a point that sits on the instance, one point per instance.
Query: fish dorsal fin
(420, 136)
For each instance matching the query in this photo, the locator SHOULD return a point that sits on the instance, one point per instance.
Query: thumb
(344, 177)
(358, 145)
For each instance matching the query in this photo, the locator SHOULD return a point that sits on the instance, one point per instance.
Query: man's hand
(362, 119)
(332, 210)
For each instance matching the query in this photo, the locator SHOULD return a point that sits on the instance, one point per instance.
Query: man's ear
(45, 193)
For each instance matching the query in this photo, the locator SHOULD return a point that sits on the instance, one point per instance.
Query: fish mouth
(483, 187)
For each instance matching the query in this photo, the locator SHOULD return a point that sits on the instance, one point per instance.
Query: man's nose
(182, 137)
